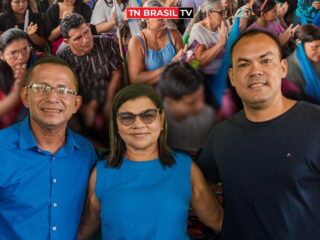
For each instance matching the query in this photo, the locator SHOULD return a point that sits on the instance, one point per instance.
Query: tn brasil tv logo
(159, 12)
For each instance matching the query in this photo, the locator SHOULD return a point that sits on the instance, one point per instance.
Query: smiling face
(257, 71)
(50, 111)
(139, 135)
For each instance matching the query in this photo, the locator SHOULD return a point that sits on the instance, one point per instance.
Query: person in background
(15, 14)
(16, 57)
(45, 166)
(152, 49)
(189, 118)
(58, 11)
(245, 14)
(143, 190)
(304, 63)
(98, 64)
(307, 9)
(104, 15)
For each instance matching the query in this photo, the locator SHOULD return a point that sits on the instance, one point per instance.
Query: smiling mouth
(256, 85)
(50, 110)
(139, 134)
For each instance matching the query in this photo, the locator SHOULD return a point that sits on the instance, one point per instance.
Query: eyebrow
(241, 59)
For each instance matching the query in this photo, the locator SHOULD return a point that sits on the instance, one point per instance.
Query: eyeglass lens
(148, 116)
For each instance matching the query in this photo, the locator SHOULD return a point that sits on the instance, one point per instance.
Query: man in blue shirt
(44, 166)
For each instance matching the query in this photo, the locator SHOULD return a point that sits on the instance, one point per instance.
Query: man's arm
(90, 221)
(204, 203)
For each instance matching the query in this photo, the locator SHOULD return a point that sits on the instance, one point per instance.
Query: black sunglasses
(148, 116)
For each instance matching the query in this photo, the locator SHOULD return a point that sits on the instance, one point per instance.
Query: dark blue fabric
(42, 195)
(144, 200)
(270, 173)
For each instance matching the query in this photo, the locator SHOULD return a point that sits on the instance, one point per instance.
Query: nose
(138, 123)
(255, 69)
(52, 95)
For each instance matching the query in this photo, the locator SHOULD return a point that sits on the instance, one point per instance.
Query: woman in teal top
(152, 49)
(143, 190)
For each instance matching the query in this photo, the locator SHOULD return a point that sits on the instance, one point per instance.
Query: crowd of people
(120, 125)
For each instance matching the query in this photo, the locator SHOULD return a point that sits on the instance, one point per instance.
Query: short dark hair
(179, 79)
(258, 4)
(55, 61)
(10, 35)
(73, 20)
(307, 33)
(255, 32)
(117, 145)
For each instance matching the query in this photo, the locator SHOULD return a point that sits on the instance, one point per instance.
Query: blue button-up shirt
(42, 194)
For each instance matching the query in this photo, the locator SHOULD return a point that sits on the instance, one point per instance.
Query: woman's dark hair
(10, 19)
(178, 80)
(117, 145)
(6, 74)
(110, 3)
(307, 33)
(263, 6)
(10, 35)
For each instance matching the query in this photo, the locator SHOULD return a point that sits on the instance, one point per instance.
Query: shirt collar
(28, 141)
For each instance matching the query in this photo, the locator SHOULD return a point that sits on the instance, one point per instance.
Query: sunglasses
(148, 116)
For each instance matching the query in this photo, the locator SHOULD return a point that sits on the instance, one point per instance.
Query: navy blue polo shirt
(42, 194)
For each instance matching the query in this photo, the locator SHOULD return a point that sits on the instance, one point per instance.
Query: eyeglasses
(46, 89)
(221, 12)
(14, 54)
(148, 116)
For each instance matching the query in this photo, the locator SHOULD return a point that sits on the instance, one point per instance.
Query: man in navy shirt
(44, 166)
(266, 156)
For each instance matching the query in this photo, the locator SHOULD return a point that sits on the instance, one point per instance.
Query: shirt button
(54, 180)
(39, 150)
(55, 205)
(53, 158)
(54, 228)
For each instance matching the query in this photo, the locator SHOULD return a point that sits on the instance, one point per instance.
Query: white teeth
(51, 110)
(256, 85)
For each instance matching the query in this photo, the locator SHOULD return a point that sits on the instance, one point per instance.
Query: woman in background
(152, 49)
(14, 15)
(16, 57)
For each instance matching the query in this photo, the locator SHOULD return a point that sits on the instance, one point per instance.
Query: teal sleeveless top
(155, 59)
(144, 200)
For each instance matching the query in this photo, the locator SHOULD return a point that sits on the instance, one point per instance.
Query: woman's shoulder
(174, 32)
(180, 155)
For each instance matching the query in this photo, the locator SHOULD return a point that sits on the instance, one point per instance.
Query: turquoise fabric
(144, 200)
(312, 85)
(158, 58)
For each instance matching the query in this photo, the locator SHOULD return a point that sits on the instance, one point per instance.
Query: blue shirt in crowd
(42, 194)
